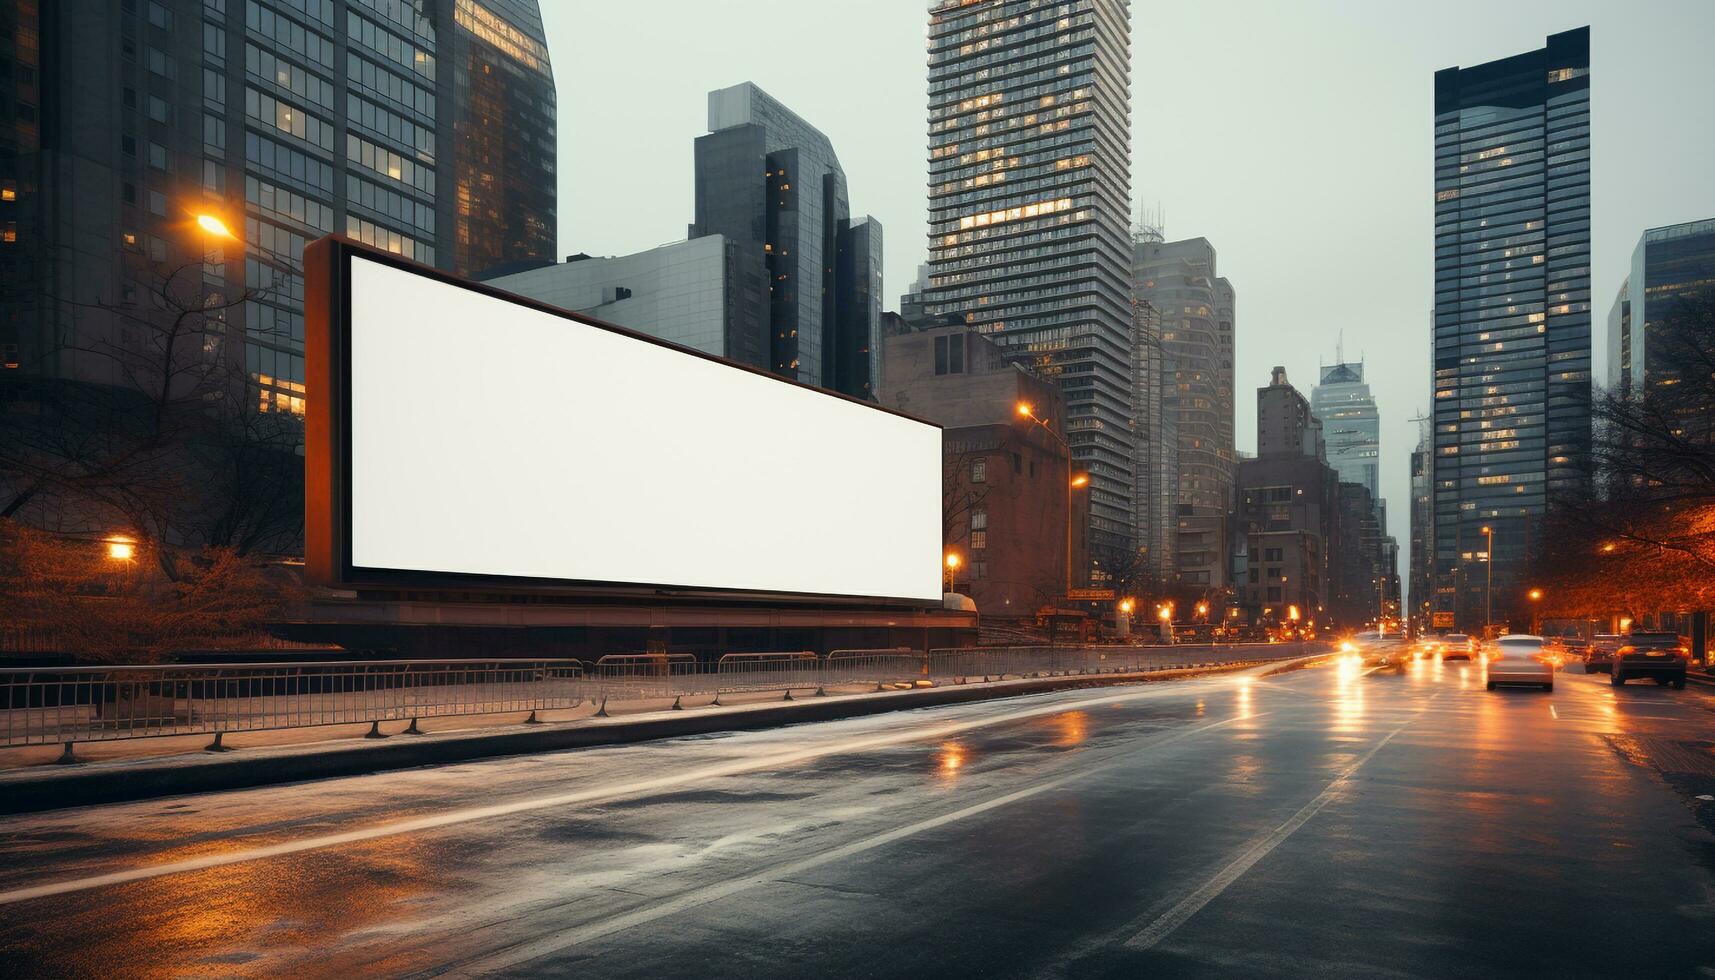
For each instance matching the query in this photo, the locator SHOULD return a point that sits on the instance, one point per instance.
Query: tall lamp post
(1535, 597)
(1027, 411)
(1489, 590)
(952, 567)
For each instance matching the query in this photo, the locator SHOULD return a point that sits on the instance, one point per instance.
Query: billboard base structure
(445, 625)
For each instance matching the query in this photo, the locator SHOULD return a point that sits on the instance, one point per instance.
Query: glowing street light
(953, 563)
(214, 226)
(1127, 605)
(1026, 411)
(121, 549)
(1082, 479)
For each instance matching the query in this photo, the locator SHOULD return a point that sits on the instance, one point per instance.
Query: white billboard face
(492, 439)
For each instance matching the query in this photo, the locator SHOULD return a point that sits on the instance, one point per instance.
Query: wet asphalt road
(1335, 821)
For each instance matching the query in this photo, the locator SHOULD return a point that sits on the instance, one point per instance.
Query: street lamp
(1164, 612)
(1203, 610)
(1535, 597)
(214, 226)
(121, 549)
(1028, 411)
(953, 563)
(1489, 590)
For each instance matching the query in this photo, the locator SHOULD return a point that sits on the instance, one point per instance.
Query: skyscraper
(1029, 197)
(1196, 310)
(811, 276)
(286, 120)
(1670, 266)
(1512, 308)
(180, 154)
(1350, 424)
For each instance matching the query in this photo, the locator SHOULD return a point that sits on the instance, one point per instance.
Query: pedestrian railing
(90, 704)
(65, 705)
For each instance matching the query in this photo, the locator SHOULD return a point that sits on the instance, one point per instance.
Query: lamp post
(1164, 612)
(1489, 590)
(1026, 411)
(952, 567)
(1535, 597)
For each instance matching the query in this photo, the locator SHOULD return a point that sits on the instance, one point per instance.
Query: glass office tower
(424, 129)
(810, 276)
(1670, 265)
(1350, 423)
(1512, 311)
(1029, 187)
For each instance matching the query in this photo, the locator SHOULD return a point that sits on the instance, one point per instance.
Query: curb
(40, 788)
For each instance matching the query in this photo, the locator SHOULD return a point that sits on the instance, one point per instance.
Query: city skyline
(1205, 178)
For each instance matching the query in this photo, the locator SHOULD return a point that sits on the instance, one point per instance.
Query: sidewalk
(140, 769)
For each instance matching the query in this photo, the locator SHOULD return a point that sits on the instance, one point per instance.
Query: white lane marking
(1552, 713)
(1193, 903)
(638, 788)
(578, 935)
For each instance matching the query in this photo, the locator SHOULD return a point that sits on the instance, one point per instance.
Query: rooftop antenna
(1151, 225)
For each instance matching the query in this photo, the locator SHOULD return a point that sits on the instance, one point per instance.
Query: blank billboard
(488, 438)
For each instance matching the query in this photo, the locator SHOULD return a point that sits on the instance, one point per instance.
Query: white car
(1518, 658)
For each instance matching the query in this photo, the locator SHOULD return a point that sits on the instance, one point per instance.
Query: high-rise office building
(1420, 579)
(1670, 266)
(1196, 309)
(1512, 308)
(810, 294)
(1350, 424)
(1155, 446)
(1029, 188)
(427, 130)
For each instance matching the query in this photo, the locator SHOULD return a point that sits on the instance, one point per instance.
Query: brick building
(1008, 480)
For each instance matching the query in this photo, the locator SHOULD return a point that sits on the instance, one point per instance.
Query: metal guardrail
(65, 705)
(41, 706)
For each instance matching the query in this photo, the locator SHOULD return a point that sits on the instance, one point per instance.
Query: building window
(1271, 554)
(950, 354)
(979, 569)
(1254, 576)
(979, 520)
(979, 540)
(1274, 593)
(979, 470)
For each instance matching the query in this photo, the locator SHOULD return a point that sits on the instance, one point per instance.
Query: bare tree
(170, 445)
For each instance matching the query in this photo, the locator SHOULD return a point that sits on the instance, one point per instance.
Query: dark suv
(1649, 653)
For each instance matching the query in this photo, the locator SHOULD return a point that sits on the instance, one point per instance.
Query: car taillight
(1625, 650)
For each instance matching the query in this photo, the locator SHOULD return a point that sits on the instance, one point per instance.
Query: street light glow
(1535, 594)
(952, 560)
(121, 549)
(214, 226)
(1025, 411)
(1081, 479)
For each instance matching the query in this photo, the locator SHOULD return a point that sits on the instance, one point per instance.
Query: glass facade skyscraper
(1351, 426)
(424, 129)
(1029, 188)
(810, 294)
(1512, 309)
(1670, 264)
(1196, 309)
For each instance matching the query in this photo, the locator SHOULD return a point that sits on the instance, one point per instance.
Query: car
(1519, 658)
(1657, 654)
(1599, 655)
(1456, 646)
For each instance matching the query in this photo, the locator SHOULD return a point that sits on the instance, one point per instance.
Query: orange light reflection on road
(1070, 729)
(952, 757)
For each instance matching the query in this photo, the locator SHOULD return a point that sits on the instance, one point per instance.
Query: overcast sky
(1294, 136)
